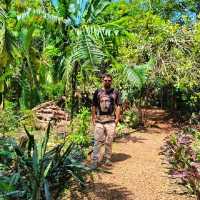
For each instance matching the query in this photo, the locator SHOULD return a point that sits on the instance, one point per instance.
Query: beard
(107, 86)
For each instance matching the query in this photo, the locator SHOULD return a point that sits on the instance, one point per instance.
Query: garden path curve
(138, 171)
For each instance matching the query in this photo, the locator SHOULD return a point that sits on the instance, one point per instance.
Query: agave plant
(37, 172)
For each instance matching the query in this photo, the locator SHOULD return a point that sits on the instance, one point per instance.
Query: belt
(105, 122)
(105, 119)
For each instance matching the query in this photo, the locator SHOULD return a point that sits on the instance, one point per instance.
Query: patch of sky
(55, 2)
(180, 17)
(78, 7)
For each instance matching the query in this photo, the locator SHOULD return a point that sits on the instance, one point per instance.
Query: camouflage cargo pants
(104, 134)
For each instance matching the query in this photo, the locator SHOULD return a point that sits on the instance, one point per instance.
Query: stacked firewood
(50, 111)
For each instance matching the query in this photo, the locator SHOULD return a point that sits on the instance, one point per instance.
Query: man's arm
(118, 108)
(93, 114)
(94, 106)
(117, 114)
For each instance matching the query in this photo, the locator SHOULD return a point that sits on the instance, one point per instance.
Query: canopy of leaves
(46, 45)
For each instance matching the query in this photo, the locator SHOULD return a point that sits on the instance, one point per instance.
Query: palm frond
(94, 8)
(132, 77)
(3, 13)
(87, 49)
(101, 32)
(2, 35)
(46, 16)
(27, 38)
(100, 7)
(6, 45)
(138, 74)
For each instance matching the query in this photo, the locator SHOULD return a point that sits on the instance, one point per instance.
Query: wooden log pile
(51, 111)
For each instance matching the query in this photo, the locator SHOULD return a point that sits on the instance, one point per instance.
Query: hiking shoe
(108, 163)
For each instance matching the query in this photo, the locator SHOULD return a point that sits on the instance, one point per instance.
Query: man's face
(107, 82)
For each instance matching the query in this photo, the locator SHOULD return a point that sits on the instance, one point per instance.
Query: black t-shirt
(106, 100)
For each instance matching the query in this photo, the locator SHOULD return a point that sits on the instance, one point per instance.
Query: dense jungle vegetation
(52, 50)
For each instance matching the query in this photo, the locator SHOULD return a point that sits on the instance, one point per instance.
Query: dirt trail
(138, 172)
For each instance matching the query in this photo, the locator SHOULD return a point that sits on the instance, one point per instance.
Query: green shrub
(131, 118)
(52, 90)
(120, 129)
(27, 118)
(80, 128)
(9, 120)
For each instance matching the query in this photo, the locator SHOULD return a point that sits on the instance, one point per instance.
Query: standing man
(105, 117)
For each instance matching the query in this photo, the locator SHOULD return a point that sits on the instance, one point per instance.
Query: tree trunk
(36, 84)
(74, 84)
(141, 117)
(1, 101)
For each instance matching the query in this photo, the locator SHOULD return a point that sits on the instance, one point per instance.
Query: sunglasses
(105, 80)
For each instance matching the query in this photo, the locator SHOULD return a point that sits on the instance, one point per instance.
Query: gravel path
(138, 172)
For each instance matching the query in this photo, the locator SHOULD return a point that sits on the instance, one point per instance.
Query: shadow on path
(118, 157)
(111, 191)
(129, 138)
(101, 191)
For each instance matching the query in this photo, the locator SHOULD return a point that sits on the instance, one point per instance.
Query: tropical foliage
(55, 48)
(49, 50)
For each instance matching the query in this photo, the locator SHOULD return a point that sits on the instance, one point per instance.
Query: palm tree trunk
(35, 81)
